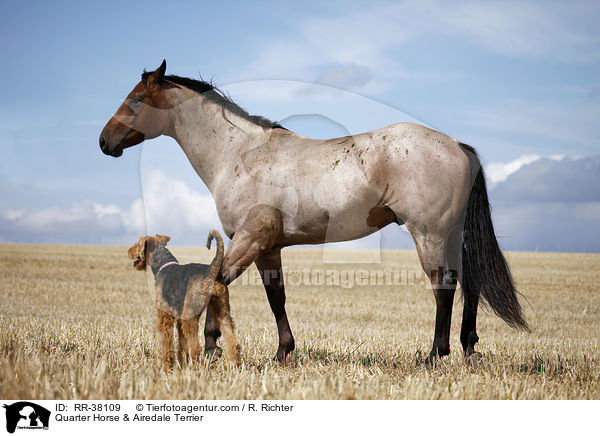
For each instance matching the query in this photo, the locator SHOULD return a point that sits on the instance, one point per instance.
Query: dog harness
(167, 264)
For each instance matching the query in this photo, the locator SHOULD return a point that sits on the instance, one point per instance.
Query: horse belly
(334, 207)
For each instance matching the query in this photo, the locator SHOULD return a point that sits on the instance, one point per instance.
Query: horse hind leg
(468, 331)
(440, 258)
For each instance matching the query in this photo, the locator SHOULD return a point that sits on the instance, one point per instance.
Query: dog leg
(183, 351)
(165, 327)
(190, 330)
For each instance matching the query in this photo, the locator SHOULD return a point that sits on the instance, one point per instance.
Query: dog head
(141, 251)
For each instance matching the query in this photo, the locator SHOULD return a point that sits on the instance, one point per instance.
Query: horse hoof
(430, 362)
(474, 359)
(281, 356)
(213, 354)
(283, 352)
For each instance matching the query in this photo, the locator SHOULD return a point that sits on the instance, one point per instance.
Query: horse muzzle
(115, 152)
(116, 137)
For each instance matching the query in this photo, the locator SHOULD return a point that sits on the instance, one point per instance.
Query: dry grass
(78, 322)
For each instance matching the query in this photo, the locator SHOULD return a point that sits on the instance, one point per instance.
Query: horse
(274, 188)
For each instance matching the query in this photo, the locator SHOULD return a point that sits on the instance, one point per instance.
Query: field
(77, 322)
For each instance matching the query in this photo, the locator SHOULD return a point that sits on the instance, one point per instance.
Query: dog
(183, 292)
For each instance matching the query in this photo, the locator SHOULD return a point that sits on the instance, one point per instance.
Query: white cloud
(497, 172)
(566, 180)
(174, 209)
(14, 214)
(550, 204)
(169, 207)
(82, 222)
(539, 203)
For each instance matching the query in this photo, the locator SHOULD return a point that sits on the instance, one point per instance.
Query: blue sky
(517, 80)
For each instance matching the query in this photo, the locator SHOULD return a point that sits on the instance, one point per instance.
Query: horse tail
(485, 269)
(215, 265)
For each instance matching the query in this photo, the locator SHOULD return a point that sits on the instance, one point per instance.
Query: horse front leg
(211, 334)
(269, 266)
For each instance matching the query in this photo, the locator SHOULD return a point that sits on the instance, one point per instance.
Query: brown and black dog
(182, 293)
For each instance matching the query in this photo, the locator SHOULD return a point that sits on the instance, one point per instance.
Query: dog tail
(215, 265)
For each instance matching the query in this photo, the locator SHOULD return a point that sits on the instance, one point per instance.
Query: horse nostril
(102, 144)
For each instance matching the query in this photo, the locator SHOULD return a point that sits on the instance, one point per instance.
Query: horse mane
(214, 94)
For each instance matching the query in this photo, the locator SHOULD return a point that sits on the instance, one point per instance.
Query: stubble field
(77, 322)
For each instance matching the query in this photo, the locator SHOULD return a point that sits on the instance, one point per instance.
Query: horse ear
(158, 75)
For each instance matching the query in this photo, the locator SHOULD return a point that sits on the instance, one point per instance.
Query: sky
(519, 81)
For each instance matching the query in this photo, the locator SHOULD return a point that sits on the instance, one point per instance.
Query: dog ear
(132, 251)
(149, 246)
(137, 249)
(163, 238)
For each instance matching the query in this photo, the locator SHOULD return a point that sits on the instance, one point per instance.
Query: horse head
(143, 115)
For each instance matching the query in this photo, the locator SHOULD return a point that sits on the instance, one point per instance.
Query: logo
(26, 415)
